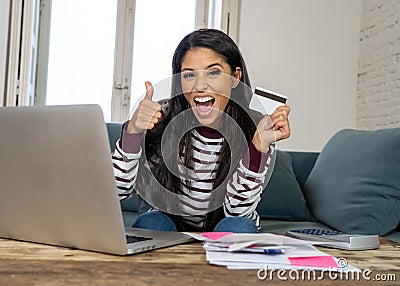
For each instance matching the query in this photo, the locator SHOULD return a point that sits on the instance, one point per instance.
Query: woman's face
(207, 82)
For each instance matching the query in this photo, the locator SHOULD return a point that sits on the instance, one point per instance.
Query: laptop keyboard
(134, 238)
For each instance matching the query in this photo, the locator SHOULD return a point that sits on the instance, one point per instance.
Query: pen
(262, 250)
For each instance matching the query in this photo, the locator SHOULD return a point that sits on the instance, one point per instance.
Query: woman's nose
(201, 82)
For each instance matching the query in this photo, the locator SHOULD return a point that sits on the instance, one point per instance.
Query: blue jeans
(236, 224)
(159, 221)
(155, 220)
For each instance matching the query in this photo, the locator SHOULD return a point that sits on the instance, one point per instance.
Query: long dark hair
(236, 109)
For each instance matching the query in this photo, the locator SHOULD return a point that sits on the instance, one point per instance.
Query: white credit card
(266, 101)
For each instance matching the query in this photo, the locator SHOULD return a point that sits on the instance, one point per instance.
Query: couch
(352, 185)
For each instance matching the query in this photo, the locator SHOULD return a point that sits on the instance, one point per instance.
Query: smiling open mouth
(204, 105)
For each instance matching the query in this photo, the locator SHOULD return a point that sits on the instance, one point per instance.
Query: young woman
(201, 157)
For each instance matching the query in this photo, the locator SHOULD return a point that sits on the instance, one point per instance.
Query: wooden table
(23, 263)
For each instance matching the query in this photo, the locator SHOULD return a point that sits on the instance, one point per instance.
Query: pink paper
(215, 235)
(314, 261)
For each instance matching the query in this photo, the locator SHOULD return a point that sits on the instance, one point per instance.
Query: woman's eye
(214, 73)
(188, 75)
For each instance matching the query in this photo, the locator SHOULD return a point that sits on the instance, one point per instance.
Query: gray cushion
(355, 183)
(114, 132)
(282, 198)
(134, 203)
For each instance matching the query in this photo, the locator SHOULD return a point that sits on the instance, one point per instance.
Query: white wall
(4, 16)
(307, 50)
(378, 102)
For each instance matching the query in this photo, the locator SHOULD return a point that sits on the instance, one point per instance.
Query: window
(102, 51)
(156, 36)
(81, 53)
(145, 46)
(82, 45)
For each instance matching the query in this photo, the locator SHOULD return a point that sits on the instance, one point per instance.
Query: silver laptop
(57, 185)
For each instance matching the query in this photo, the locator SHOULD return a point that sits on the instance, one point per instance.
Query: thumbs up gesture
(147, 114)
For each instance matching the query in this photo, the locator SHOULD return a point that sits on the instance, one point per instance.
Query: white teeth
(203, 99)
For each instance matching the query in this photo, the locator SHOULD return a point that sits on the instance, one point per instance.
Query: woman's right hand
(147, 114)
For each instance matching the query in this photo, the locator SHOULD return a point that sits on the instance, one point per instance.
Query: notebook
(57, 185)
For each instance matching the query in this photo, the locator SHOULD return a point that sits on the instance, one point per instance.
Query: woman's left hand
(272, 128)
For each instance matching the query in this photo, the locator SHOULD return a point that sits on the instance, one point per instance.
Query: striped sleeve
(125, 166)
(245, 187)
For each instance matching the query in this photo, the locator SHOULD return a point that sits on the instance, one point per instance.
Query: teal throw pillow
(355, 183)
(282, 198)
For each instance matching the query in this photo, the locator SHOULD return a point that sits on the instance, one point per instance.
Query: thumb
(149, 90)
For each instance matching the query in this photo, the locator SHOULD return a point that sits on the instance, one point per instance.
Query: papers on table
(248, 238)
(258, 251)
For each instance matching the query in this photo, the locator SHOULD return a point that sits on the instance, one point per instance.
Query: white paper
(241, 266)
(240, 260)
(299, 251)
(255, 238)
(217, 251)
(216, 246)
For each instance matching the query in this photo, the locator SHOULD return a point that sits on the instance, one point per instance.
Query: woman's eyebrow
(215, 64)
(187, 69)
(208, 67)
